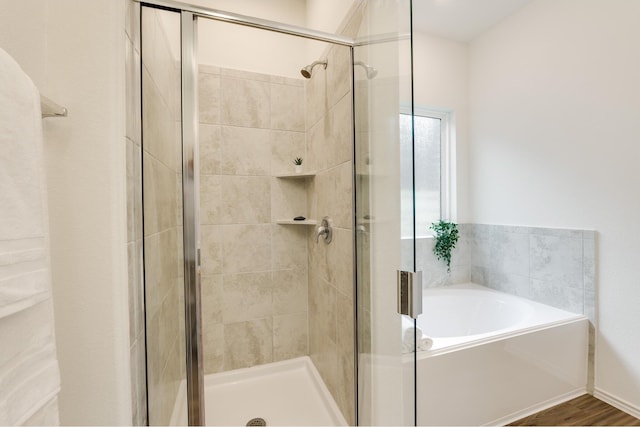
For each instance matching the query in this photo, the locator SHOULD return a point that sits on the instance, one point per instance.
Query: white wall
(441, 83)
(249, 49)
(243, 48)
(555, 102)
(79, 62)
(25, 39)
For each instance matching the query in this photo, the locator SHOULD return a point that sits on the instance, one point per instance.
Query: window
(431, 185)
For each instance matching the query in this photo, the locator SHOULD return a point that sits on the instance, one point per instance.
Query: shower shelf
(292, 222)
(297, 175)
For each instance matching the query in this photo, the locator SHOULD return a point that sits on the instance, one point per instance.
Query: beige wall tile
(287, 81)
(212, 299)
(245, 103)
(340, 261)
(247, 248)
(290, 291)
(340, 123)
(133, 329)
(245, 151)
(315, 96)
(245, 200)
(288, 246)
(157, 56)
(319, 145)
(235, 199)
(288, 199)
(161, 267)
(132, 90)
(208, 69)
(290, 336)
(247, 296)
(345, 387)
(213, 347)
(322, 310)
(285, 147)
(210, 199)
(211, 244)
(338, 74)
(245, 75)
(210, 149)
(213, 343)
(158, 124)
(160, 196)
(209, 96)
(324, 355)
(335, 195)
(287, 107)
(248, 343)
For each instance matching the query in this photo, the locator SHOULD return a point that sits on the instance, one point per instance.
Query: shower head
(369, 70)
(306, 71)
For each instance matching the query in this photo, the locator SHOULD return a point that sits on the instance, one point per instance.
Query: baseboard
(537, 408)
(616, 402)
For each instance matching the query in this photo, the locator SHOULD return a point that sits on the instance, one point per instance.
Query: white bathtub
(495, 357)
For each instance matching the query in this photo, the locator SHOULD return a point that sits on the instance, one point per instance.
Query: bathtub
(495, 357)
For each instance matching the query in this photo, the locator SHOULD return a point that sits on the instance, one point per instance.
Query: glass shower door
(169, 248)
(385, 214)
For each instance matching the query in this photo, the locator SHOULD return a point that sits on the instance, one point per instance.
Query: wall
(275, 54)
(25, 39)
(137, 341)
(254, 271)
(85, 167)
(331, 288)
(162, 195)
(554, 130)
(441, 83)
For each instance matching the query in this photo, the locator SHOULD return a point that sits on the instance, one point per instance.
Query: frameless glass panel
(163, 230)
(384, 213)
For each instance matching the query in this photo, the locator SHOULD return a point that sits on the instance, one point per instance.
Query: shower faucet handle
(325, 230)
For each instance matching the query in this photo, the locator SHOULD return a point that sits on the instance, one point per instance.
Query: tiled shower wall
(160, 158)
(329, 127)
(549, 265)
(134, 215)
(254, 272)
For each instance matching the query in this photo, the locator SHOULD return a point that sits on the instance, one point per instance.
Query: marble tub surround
(254, 272)
(553, 266)
(549, 265)
(435, 271)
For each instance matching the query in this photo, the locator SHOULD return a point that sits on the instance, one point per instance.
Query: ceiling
(461, 20)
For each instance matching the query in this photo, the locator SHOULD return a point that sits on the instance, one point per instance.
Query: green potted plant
(446, 235)
(298, 162)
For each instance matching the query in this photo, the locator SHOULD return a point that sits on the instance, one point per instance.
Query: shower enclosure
(239, 289)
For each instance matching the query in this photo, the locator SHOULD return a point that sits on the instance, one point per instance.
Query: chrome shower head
(369, 70)
(306, 71)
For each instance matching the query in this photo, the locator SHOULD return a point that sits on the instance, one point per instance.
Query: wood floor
(582, 411)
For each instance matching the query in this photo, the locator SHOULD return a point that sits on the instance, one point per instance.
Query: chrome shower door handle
(325, 230)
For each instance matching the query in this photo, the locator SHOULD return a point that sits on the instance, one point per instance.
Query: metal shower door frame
(190, 181)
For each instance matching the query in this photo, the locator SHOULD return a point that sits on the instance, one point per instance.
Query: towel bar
(51, 109)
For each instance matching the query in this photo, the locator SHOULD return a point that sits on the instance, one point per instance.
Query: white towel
(408, 332)
(29, 375)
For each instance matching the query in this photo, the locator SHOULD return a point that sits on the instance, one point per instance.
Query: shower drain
(257, 422)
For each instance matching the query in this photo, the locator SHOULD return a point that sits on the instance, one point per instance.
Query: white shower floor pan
(287, 393)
